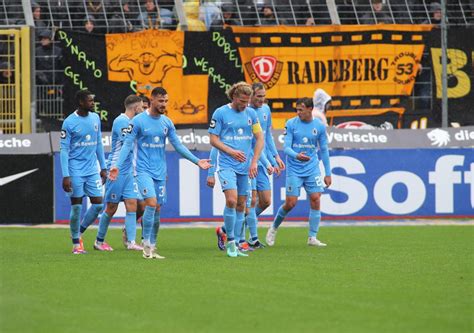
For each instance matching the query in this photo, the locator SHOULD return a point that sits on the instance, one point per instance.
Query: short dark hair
(145, 99)
(130, 100)
(81, 95)
(306, 101)
(158, 91)
(257, 86)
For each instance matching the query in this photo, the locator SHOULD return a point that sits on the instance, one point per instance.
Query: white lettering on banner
(355, 190)
(444, 177)
(107, 140)
(416, 192)
(357, 137)
(15, 143)
(464, 135)
(469, 179)
(193, 138)
(189, 193)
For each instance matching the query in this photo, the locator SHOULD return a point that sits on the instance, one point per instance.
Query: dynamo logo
(439, 137)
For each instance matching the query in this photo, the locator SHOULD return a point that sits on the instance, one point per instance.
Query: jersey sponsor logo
(11, 178)
(63, 134)
(265, 69)
(124, 131)
(212, 124)
(439, 137)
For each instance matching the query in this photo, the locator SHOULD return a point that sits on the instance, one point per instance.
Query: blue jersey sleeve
(323, 147)
(213, 158)
(132, 132)
(100, 149)
(64, 148)
(180, 148)
(215, 126)
(289, 140)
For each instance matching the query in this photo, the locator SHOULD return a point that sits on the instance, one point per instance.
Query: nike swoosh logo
(230, 123)
(9, 179)
(146, 129)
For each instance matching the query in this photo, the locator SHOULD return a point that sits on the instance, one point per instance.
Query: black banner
(26, 189)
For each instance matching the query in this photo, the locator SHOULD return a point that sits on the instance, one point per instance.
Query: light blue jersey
(265, 118)
(150, 133)
(234, 129)
(119, 131)
(81, 145)
(305, 137)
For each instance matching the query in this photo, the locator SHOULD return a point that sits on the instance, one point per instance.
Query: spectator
(89, 24)
(209, 12)
(435, 11)
(378, 14)
(6, 73)
(226, 20)
(310, 21)
(153, 17)
(248, 12)
(96, 9)
(48, 60)
(40, 24)
(269, 17)
(191, 10)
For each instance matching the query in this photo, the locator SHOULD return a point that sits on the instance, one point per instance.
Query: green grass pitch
(368, 279)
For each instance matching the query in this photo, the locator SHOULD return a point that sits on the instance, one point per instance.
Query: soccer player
(231, 130)
(148, 131)
(124, 187)
(81, 148)
(260, 186)
(303, 135)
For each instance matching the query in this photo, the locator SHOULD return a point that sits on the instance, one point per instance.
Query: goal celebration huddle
(243, 156)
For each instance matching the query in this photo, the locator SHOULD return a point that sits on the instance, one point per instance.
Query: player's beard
(162, 110)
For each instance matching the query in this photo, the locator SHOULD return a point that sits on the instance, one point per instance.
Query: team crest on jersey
(315, 131)
(114, 196)
(224, 182)
(145, 191)
(249, 121)
(212, 124)
(63, 134)
(290, 188)
(96, 127)
(265, 117)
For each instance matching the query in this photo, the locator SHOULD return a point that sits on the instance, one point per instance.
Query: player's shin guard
(239, 223)
(229, 222)
(74, 217)
(103, 226)
(314, 219)
(280, 216)
(148, 220)
(252, 223)
(155, 229)
(131, 226)
(91, 216)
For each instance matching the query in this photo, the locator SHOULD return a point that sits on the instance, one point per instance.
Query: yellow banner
(154, 58)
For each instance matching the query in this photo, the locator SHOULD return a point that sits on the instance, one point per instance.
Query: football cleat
(313, 241)
(78, 250)
(221, 238)
(256, 244)
(271, 235)
(102, 246)
(231, 249)
(155, 254)
(134, 247)
(244, 247)
(147, 252)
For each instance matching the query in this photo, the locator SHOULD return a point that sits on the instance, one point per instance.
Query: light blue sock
(74, 217)
(252, 222)
(314, 219)
(229, 222)
(103, 226)
(239, 222)
(91, 216)
(280, 216)
(155, 229)
(131, 225)
(244, 231)
(258, 210)
(148, 220)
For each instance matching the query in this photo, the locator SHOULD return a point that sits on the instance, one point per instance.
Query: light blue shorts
(230, 180)
(86, 185)
(152, 188)
(312, 184)
(262, 182)
(123, 188)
